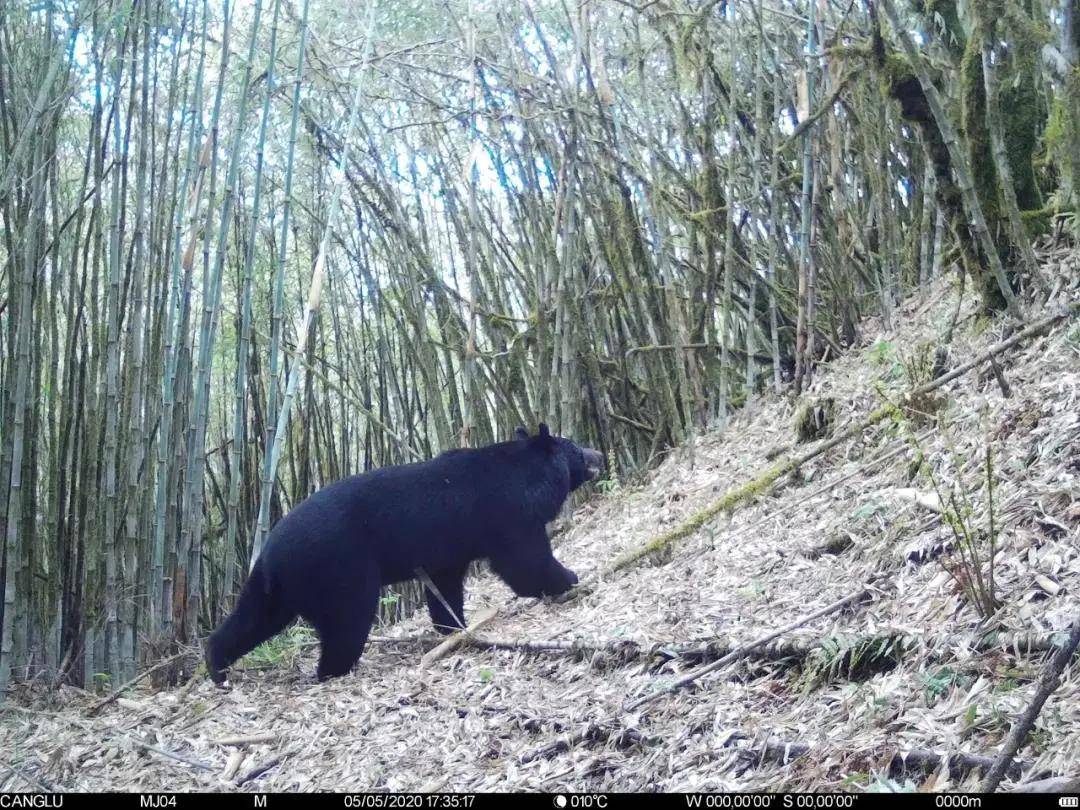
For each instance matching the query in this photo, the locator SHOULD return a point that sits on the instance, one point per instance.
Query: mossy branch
(734, 498)
(825, 107)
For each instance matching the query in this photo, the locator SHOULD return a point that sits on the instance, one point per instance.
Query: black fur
(327, 559)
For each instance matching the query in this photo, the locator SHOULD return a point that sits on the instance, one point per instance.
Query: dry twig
(1048, 682)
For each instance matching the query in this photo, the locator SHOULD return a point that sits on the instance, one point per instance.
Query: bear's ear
(543, 439)
(520, 433)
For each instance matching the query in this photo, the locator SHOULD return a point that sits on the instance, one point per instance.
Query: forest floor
(882, 695)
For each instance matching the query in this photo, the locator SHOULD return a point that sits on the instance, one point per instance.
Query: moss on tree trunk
(1025, 115)
(1018, 97)
(1024, 107)
(900, 82)
(1070, 99)
(977, 133)
(949, 15)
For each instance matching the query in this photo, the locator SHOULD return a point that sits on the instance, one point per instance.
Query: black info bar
(554, 801)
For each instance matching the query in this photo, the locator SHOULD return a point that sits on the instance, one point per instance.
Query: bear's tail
(260, 614)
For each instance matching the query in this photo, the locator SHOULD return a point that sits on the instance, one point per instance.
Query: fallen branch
(1035, 329)
(251, 739)
(1053, 784)
(191, 763)
(264, 766)
(31, 780)
(735, 497)
(777, 751)
(801, 503)
(957, 764)
(1048, 682)
(758, 486)
(743, 650)
(626, 650)
(593, 732)
(623, 650)
(392, 641)
(917, 759)
(101, 704)
(455, 640)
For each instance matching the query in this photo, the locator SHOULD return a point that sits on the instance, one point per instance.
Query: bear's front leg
(560, 578)
(527, 565)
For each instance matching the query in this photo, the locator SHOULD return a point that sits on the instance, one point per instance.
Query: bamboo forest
(251, 248)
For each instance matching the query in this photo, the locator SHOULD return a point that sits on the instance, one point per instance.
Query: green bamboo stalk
(30, 129)
(317, 278)
(727, 326)
(774, 232)
(755, 248)
(135, 354)
(235, 448)
(806, 292)
(24, 327)
(191, 537)
(192, 184)
(927, 234)
(110, 447)
(957, 158)
(278, 297)
(471, 397)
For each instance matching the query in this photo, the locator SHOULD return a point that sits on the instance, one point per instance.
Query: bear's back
(427, 513)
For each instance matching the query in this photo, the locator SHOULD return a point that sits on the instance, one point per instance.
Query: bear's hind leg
(343, 625)
(451, 584)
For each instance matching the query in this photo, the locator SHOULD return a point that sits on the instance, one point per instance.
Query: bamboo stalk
(193, 523)
(315, 289)
(240, 399)
(958, 160)
(1006, 184)
(196, 164)
(805, 325)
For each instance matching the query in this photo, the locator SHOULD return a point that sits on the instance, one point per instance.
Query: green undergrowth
(283, 650)
(846, 658)
(814, 419)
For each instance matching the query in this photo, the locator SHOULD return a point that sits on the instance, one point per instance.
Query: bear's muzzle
(594, 462)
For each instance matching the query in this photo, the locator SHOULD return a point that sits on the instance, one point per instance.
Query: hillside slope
(911, 668)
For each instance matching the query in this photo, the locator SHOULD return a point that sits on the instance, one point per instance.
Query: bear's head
(583, 463)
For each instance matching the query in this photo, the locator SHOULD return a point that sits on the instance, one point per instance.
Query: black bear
(327, 559)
